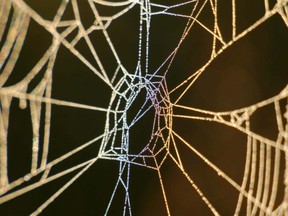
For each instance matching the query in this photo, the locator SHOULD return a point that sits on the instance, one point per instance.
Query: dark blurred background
(251, 70)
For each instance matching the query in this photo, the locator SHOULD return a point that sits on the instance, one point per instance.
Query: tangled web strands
(125, 96)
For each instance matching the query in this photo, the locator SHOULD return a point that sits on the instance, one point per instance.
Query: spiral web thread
(125, 86)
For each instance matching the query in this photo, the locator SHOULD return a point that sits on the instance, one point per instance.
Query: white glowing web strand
(126, 89)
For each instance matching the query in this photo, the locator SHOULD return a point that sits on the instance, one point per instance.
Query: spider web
(124, 95)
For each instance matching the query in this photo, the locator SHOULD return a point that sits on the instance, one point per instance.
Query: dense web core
(124, 97)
